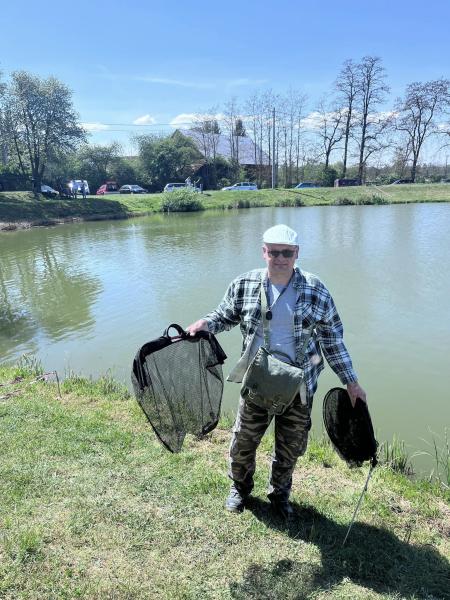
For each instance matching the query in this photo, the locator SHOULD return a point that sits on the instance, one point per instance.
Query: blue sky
(131, 59)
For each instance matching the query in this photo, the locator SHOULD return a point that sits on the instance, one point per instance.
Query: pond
(84, 297)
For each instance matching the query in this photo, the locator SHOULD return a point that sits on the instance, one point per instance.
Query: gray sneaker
(236, 500)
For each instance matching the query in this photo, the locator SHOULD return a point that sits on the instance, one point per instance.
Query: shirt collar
(297, 280)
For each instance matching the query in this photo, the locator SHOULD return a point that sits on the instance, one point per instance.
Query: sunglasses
(284, 253)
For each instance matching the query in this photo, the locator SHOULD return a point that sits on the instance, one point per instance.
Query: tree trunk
(361, 154)
(347, 135)
(414, 168)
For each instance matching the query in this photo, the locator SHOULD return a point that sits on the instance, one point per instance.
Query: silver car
(241, 187)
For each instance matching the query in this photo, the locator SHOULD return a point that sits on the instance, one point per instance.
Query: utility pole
(273, 150)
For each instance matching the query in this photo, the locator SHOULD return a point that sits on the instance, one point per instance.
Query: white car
(242, 186)
(77, 185)
(48, 191)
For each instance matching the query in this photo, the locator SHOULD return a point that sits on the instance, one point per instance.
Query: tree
(96, 162)
(239, 129)
(347, 87)
(371, 91)
(329, 129)
(417, 113)
(206, 132)
(230, 120)
(165, 159)
(41, 123)
(3, 137)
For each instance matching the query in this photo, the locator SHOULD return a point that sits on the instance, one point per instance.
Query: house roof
(222, 144)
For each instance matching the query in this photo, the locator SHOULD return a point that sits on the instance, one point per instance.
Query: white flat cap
(281, 234)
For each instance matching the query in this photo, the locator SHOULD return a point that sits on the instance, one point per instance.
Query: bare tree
(347, 87)
(253, 109)
(330, 129)
(300, 102)
(377, 139)
(206, 132)
(291, 109)
(371, 91)
(231, 116)
(269, 102)
(417, 113)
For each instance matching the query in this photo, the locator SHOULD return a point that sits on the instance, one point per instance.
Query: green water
(84, 297)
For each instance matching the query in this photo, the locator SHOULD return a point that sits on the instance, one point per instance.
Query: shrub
(223, 182)
(372, 200)
(343, 202)
(290, 202)
(182, 200)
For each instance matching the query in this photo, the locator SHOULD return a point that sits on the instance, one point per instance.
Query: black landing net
(350, 429)
(178, 382)
(351, 432)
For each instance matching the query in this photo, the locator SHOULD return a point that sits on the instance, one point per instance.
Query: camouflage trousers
(291, 439)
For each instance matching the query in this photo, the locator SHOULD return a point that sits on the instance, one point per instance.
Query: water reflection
(43, 292)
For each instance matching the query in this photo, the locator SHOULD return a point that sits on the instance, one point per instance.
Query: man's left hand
(355, 391)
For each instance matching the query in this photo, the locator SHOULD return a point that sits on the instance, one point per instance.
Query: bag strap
(266, 322)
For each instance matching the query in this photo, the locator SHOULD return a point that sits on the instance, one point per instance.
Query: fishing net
(178, 383)
(349, 428)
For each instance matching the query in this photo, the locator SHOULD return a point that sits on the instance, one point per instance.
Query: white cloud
(94, 126)
(182, 121)
(187, 120)
(313, 121)
(144, 120)
(176, 82)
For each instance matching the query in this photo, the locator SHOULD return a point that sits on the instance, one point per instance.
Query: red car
(110, 187)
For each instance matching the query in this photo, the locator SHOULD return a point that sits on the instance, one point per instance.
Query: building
(241, 150)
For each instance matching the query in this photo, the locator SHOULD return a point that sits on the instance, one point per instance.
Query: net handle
(181, 332)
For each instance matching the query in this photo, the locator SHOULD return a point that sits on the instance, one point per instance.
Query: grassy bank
(91, 506)
(21, 209)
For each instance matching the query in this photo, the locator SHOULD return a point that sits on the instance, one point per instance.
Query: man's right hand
(200, 325)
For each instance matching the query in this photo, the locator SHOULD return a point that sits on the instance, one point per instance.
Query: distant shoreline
(20, 210)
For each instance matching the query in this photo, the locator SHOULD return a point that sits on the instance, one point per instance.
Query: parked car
(242, 186)
(110, 187)
(77, 185)
(345, 182)
(171, 187)
(306, 184)
(48, 191)
(132, 189)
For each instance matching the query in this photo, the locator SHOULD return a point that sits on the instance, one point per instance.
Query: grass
(439, 451)
(395, 455)
(91, 506)
(21, 209)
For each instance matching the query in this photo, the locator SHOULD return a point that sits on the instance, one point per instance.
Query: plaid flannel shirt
(314, 310)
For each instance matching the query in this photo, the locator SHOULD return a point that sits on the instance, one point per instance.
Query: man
(303, 323)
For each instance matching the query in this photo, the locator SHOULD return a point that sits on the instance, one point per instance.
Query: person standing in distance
(304, 326)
